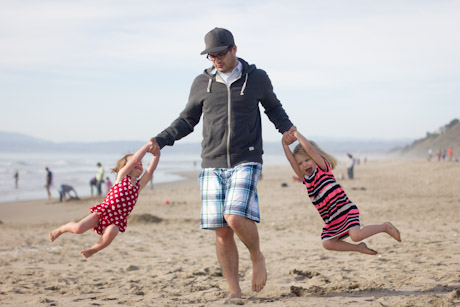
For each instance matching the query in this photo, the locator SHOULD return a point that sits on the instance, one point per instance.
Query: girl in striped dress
(341, 216)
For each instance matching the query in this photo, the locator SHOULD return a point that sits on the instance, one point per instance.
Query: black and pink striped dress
(328, 197)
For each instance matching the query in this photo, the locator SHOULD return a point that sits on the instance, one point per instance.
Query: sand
(164, 259)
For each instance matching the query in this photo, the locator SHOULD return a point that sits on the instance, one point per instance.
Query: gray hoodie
(232, 131)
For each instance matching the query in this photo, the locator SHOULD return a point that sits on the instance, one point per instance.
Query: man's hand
(289, 137)
(154, 147)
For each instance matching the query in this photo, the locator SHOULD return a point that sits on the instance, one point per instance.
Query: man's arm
(273, 107)
(187, 120)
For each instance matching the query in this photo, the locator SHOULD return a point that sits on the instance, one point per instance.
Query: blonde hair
(299, 150)
(121, 163)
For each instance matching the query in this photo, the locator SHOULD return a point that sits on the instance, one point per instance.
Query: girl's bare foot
(392, 231)
(362, 248)
(88, 253)
(55, 234)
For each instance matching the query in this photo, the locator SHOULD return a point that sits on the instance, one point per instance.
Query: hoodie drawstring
(244, 85)
(243, 88)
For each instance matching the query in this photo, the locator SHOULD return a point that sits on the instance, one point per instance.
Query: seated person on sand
(64, 192)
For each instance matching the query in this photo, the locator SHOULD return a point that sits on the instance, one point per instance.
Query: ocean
(77, 169)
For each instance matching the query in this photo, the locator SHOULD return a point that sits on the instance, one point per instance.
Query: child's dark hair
(299, 150)
(121, 163)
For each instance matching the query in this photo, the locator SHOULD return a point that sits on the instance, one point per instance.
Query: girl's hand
(155, 151)
(154, 147)
(289, 136)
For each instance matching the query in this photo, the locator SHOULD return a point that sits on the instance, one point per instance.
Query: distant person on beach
(93, 185)
(450, 153)
(16, 179)
(110, 217)
(65, 191)
(341, 215)
(350, 166)
(228, 96)
(108, 183)
(430, 154)
(99, 178)
(49, 182)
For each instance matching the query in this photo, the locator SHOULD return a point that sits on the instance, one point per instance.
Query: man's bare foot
(234, 301)
(88, 253)
(362, 248)
(259, 274)
(55, 234)
(392, 231)
(233, 295)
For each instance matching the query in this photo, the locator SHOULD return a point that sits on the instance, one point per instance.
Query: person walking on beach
(48, 182)
(350, 166)
(108, 183)
(110, 217)
(450, 153)
(228, 95)
(99, 178)
(16, 179)
(340, 215)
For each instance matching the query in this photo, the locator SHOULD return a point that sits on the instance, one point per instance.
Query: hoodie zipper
(229, 108)
(229, 120)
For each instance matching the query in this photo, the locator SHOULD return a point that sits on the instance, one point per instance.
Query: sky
(93, 71)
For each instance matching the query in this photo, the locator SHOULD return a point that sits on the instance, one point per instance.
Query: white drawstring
(244, 85)
(209, 85)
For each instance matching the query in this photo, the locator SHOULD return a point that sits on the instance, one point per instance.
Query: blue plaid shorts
(229, 191)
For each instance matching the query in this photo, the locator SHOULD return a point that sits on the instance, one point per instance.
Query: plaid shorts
(229, 191)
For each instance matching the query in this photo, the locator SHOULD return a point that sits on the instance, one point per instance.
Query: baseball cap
(217, 40)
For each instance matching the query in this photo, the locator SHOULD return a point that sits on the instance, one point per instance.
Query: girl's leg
(358, 234)
(342, 246)
(87, 223)
(107, 237)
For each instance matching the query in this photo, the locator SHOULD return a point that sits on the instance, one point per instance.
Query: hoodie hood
(211, 73)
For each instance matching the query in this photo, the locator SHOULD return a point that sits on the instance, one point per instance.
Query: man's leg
(99, 188)
(246, 230)
(227, 254)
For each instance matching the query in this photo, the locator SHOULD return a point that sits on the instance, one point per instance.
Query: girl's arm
(311, 151)
(291, 158)
(136, 158)
(149, 172)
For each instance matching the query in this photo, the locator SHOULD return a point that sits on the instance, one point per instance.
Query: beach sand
(164, 259)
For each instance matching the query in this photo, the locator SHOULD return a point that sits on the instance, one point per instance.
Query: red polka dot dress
(117, 205)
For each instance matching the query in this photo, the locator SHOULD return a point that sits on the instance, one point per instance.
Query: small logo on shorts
(251, 148)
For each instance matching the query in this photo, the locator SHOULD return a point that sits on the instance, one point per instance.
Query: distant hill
(17, 142)
(13, 139)
(442, 138)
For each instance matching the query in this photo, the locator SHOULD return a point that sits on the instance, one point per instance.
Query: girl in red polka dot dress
(110, 217)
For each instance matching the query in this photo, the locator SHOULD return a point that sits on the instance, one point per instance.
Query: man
(228, 96)
(16, 179)
(49, 182)
(99, 178)
(350, 166)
